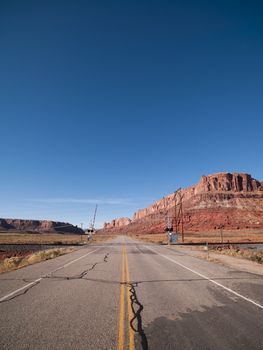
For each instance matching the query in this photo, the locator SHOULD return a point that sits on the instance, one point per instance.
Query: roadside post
(221, 234)
(207, 250)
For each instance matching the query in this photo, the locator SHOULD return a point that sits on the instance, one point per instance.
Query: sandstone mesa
(43, 226)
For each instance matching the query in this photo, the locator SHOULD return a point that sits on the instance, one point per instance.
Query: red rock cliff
(221, 182)
(231, 200)
(117, 223)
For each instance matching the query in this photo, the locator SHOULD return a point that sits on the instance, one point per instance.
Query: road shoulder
(226, 260)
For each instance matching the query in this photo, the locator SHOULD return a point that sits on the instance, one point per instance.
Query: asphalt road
(126, 294)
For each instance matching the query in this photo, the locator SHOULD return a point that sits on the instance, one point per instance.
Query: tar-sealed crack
(136, 321)
(51, 276)
(82, 274)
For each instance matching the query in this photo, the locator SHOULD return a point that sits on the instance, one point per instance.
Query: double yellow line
(125, 284)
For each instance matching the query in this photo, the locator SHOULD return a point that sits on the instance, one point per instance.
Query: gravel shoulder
(226, 260)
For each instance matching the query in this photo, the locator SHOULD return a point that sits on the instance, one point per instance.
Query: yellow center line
(125, 282)
(122, 306)
(130, 313)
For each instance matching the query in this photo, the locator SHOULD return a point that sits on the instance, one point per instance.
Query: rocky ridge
(228, 200)
(35, 226)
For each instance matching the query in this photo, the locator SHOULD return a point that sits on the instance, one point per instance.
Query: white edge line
(20, 289)
(208, 279)
(72, 262)
(39, 279)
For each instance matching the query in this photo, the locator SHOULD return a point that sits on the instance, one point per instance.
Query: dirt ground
(210, 237)
(25, 244)
(238, 263)
(57, 239)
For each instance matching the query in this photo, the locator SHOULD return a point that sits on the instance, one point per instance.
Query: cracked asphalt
(176, 300)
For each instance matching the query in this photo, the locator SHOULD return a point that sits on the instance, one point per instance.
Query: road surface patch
(209, 279)
(28, 286)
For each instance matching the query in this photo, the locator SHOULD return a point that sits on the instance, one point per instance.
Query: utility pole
(175, 224)
(175, 214)
(182, 215)
(178, 212)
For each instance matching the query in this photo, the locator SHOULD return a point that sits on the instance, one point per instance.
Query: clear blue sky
(121, 102)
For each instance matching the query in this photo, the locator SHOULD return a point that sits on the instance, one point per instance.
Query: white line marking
(73, 261)
(20, 289)
(41, 278)
(208, 279)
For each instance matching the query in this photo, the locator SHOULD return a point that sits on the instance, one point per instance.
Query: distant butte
(232, 201)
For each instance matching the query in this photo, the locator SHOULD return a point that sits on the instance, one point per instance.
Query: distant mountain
(34, 226)
(228, 200)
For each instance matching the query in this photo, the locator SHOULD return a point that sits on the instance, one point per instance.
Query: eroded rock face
(228, 182)
(44, 226)
(231, 200)
(117, 223)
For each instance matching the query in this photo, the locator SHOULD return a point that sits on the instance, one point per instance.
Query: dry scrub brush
(14, 263)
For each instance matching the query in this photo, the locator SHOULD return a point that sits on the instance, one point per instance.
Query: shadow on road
(217, 328)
